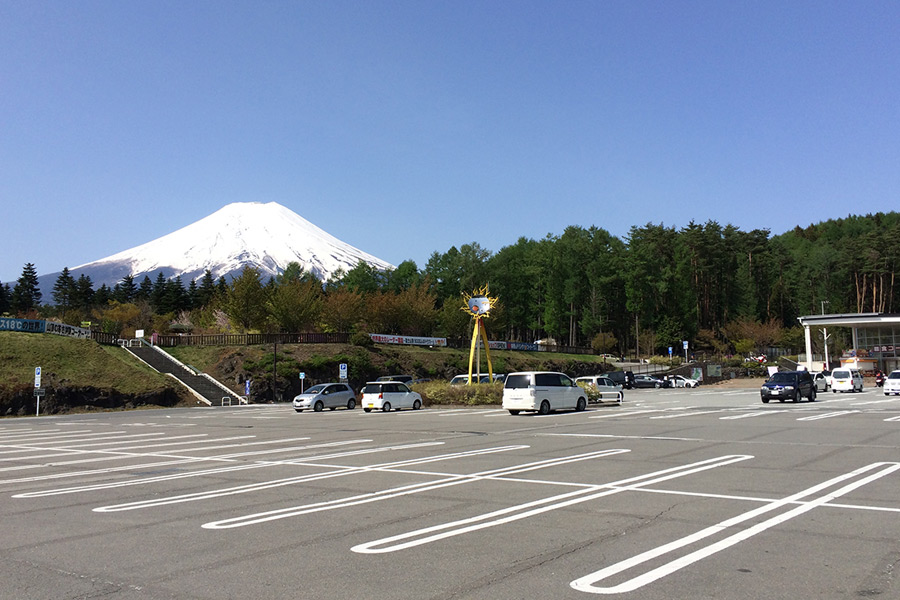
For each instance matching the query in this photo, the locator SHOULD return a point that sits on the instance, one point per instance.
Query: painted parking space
(532, 467)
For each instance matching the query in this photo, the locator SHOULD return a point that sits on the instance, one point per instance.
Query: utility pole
(275, 373)
(825, 337)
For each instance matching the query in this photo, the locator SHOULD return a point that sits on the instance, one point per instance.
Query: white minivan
(846, 380)
(542, 392)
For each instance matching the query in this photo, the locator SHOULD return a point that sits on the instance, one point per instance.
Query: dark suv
(789, 384)
(623, 378)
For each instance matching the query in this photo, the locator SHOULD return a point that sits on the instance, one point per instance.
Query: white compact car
(846, 380)
(542, 392)
(892, 384)
(388, 395)
(680, 381)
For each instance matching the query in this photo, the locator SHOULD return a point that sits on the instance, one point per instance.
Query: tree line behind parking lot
(723, 289)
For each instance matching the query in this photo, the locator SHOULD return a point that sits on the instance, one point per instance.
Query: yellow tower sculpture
(478, 305)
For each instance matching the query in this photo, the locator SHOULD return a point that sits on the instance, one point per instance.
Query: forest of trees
(723, 289)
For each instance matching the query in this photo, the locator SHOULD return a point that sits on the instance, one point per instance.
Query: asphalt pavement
(696, 493)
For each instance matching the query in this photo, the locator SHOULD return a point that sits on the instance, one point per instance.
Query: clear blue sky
(405, 128)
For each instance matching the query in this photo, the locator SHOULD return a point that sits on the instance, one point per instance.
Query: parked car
(789, 385)
(464, 379)
(606, 387)
(680, 381)
(542, 392)
(325, 395)
(388, 395)
(623, 378)
(892, 384)
(648, 381)
(846, 380)
(401, 378)
(821, 381)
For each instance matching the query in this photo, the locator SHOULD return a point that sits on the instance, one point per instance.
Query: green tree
(64, 290)
(294, 305)
(245, 304)
(5, 298)
(83, 297)
(26, 295)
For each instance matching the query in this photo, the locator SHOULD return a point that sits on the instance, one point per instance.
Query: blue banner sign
(26, 325)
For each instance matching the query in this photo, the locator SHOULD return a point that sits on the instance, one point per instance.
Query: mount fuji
(266, 236)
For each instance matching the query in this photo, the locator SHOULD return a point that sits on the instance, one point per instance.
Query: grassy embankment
(70, 364)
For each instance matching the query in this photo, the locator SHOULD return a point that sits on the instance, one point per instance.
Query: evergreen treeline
(721, 288)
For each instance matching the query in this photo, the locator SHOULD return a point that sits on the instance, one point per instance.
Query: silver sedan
(325, 395)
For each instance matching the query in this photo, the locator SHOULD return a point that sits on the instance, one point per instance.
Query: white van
(542, 392)
(846, 380)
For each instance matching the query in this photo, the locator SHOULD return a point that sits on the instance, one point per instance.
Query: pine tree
(5, 296)
(127, 290)
(63, 290)
(146, 290)
(207, 289)
(26, 295)
(102, 296)
(158, 294)
(84, 293)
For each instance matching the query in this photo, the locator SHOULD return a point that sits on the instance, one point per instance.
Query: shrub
(442, 393)
(363, 340)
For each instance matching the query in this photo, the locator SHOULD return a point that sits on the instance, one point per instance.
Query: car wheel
(367, 410)
(765, 400)
(513, 412)
(796, 397)
(318, 406)
(812, 395)
(386, 407)
(417, 405)
(351, 404)
(657, 386)
(581, 405)
(545, 408)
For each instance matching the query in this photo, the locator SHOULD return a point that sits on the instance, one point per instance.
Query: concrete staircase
(210, 391)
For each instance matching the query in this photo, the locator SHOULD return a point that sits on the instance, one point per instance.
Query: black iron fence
(249, 339)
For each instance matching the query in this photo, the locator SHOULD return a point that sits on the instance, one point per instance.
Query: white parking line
(837, 413)
(528, 509)
(416, 488)
(168, 477)
(587, 583)
(748, 415)
(688, 414)
(338, 471)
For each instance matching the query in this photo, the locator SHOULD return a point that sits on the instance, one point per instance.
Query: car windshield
(316, 389)
(782, 378)
(894, 375)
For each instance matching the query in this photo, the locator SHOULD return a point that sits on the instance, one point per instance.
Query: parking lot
(686, 493)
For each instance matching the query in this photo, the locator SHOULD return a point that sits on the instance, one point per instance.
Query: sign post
(685, 344)
(38, 392)
(342, 371)
(302, 377)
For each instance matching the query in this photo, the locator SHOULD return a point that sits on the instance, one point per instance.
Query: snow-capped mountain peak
(264, 235)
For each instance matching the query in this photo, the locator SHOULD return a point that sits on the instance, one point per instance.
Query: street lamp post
(825, 337)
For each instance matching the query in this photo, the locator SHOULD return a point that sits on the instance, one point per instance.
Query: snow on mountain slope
(267, 236)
